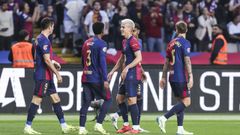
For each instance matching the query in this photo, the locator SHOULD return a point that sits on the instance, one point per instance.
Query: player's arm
(119, 64)
(50, 65)
(164, 74)
(188, 66)
(144, 77)
(103, 67)
(137, 60)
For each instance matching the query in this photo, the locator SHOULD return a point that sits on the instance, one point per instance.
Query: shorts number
(88, 62)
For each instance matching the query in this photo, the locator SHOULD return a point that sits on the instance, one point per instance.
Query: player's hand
(124, 73)
(106, 85)
(59, 78)
(162, 83)
(144, 77)
(56, 65)
(190, 82)
(109, 76)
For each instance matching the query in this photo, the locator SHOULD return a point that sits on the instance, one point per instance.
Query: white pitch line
(147, 117)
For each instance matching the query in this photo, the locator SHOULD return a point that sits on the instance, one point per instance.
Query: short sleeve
(187, 49)
(168, 52)
(45, 47)
(134, 44)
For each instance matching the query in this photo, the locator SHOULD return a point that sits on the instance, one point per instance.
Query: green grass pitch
(199, 124)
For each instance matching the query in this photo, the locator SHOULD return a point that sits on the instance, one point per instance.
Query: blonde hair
(128, 22)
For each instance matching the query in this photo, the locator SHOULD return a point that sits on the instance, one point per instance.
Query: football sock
(31, 113)
(140, 106)
(180, 117)
(177, 108)
(119, 113)
(58, 111)
(103, 110)
(83, 113)
(124, 111)
(134, 113)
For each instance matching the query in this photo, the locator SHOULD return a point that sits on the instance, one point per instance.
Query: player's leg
(131, 88)
(140, 100)
(140, 105)
(55, 99)
(40, 87)
(123, 109)
(180, 92)
(105, 94)
(87, 97)
(180, 117)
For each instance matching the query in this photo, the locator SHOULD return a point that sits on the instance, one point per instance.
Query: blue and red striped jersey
(177, 49)
(130, 46)
(94, 60)
(42, 46)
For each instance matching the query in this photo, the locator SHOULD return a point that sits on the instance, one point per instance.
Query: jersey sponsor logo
(45, 47)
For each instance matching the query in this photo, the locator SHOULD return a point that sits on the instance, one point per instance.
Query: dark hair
(137, 26)
(96, 2)
(46, 22)
(224, 30)
(98, 28)
(3, 2)
(22, 35)
(181, 27)
(22, 6)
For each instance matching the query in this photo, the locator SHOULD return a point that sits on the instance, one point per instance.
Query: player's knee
(187, 102)
(119, 99)
(36, 100)
(55, 98)
(132, 100)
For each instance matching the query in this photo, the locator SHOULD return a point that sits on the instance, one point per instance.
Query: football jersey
(130, 46)
(94, 60)
(177, 49)
(42, 46)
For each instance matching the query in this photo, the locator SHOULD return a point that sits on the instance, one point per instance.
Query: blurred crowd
(74, 18)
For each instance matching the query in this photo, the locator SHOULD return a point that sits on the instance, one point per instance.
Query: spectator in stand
(96, 15)
(211, 5)
(22, 52)
(204, 30)
(234, 31)
(234, 6)
(136, 11)
(59, 8)
(6, 26)
(191, 19)
(219, 46)
(25, 19)
(171, 9)
(117, 18)
(153, 24)
(110, 10)
(72, 14)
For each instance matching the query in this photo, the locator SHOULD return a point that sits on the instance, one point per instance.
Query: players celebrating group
(95, 79)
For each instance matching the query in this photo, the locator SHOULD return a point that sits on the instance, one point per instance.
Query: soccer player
(131, 77)
(44, 85)
(94, 78)
(177, 60)
(114, 116)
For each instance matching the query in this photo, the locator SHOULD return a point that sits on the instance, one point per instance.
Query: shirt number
(173, 57)
(88, 62)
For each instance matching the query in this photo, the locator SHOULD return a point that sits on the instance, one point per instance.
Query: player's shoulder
(133, 39)
(42, 39)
